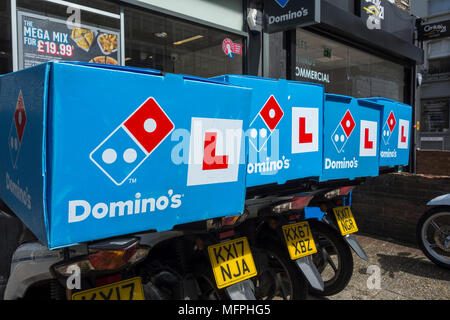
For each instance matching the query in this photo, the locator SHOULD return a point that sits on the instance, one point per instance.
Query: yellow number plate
(345, 219)
(130, 289)
(299, 240)
(232, 262)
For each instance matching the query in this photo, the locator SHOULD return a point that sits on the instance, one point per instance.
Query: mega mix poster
(43, 39)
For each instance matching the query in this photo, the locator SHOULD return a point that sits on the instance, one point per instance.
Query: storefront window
(435, 115)
(51, 31)
(5, 37)
(171, 45)
(345, 70)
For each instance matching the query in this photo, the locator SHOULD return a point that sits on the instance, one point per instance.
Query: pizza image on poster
(44, 39)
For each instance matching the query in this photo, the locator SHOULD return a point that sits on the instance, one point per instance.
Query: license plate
(299, 240)
(232, 262)
(130, 289)
(345, 220)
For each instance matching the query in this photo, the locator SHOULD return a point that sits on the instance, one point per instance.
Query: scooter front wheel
(433, 235)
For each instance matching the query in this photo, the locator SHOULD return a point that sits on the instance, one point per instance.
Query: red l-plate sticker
(367, 143)
(403, 137)
(210, 160)
(303, 136)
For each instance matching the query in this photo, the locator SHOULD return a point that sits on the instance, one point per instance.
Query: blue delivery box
(93, 151)
(351, 137)
(395, 132)
(284, 137)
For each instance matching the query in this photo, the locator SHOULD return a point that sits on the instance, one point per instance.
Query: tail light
(342, 191)
(229, 221)
(106, 255)
(296, 203)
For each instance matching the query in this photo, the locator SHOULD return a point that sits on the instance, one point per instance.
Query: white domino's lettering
(368, 139)
(403, 134)
(214, 151)
(80, 210)
(305, 130)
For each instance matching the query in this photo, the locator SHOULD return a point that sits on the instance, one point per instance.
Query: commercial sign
(282, 15)
(309, 74)
(434, 30)
(43, 39)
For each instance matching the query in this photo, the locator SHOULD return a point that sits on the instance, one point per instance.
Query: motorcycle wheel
(333, 259)
(433, 235)
(278, 278)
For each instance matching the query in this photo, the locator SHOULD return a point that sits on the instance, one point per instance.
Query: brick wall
(434, 162)
(391, 204)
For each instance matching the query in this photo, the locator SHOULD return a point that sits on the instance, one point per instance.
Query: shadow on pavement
(407, 263)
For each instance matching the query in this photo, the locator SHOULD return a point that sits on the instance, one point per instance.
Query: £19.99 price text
(48, 47)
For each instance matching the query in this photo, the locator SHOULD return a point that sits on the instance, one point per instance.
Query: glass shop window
(171, 45)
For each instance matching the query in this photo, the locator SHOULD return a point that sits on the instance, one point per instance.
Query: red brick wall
(434, 162)
(391, 204)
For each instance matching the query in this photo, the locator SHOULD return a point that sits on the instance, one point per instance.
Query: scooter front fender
(443, 200)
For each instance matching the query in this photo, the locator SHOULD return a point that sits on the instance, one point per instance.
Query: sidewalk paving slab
(406, 274)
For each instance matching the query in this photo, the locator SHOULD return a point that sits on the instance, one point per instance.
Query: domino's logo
(17, 129)
(264, 123)
(388, 128)
(282, 3)
(343, 131)
(124, 150)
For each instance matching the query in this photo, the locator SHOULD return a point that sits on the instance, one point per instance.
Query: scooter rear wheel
(333, 259)
(278, 278)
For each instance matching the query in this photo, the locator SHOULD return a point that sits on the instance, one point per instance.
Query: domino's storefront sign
(351, 134)
(108, 161)
(280, 15)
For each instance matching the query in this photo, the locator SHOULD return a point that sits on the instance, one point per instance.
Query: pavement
(394, 271)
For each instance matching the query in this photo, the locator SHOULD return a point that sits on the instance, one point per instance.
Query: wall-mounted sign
(434, 30)
(280, 15)
(372, 12)
(230, 48)
(42, 39)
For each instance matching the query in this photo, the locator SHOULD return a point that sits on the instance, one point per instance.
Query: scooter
(433, 231)
(112, 269)
(146, 266)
